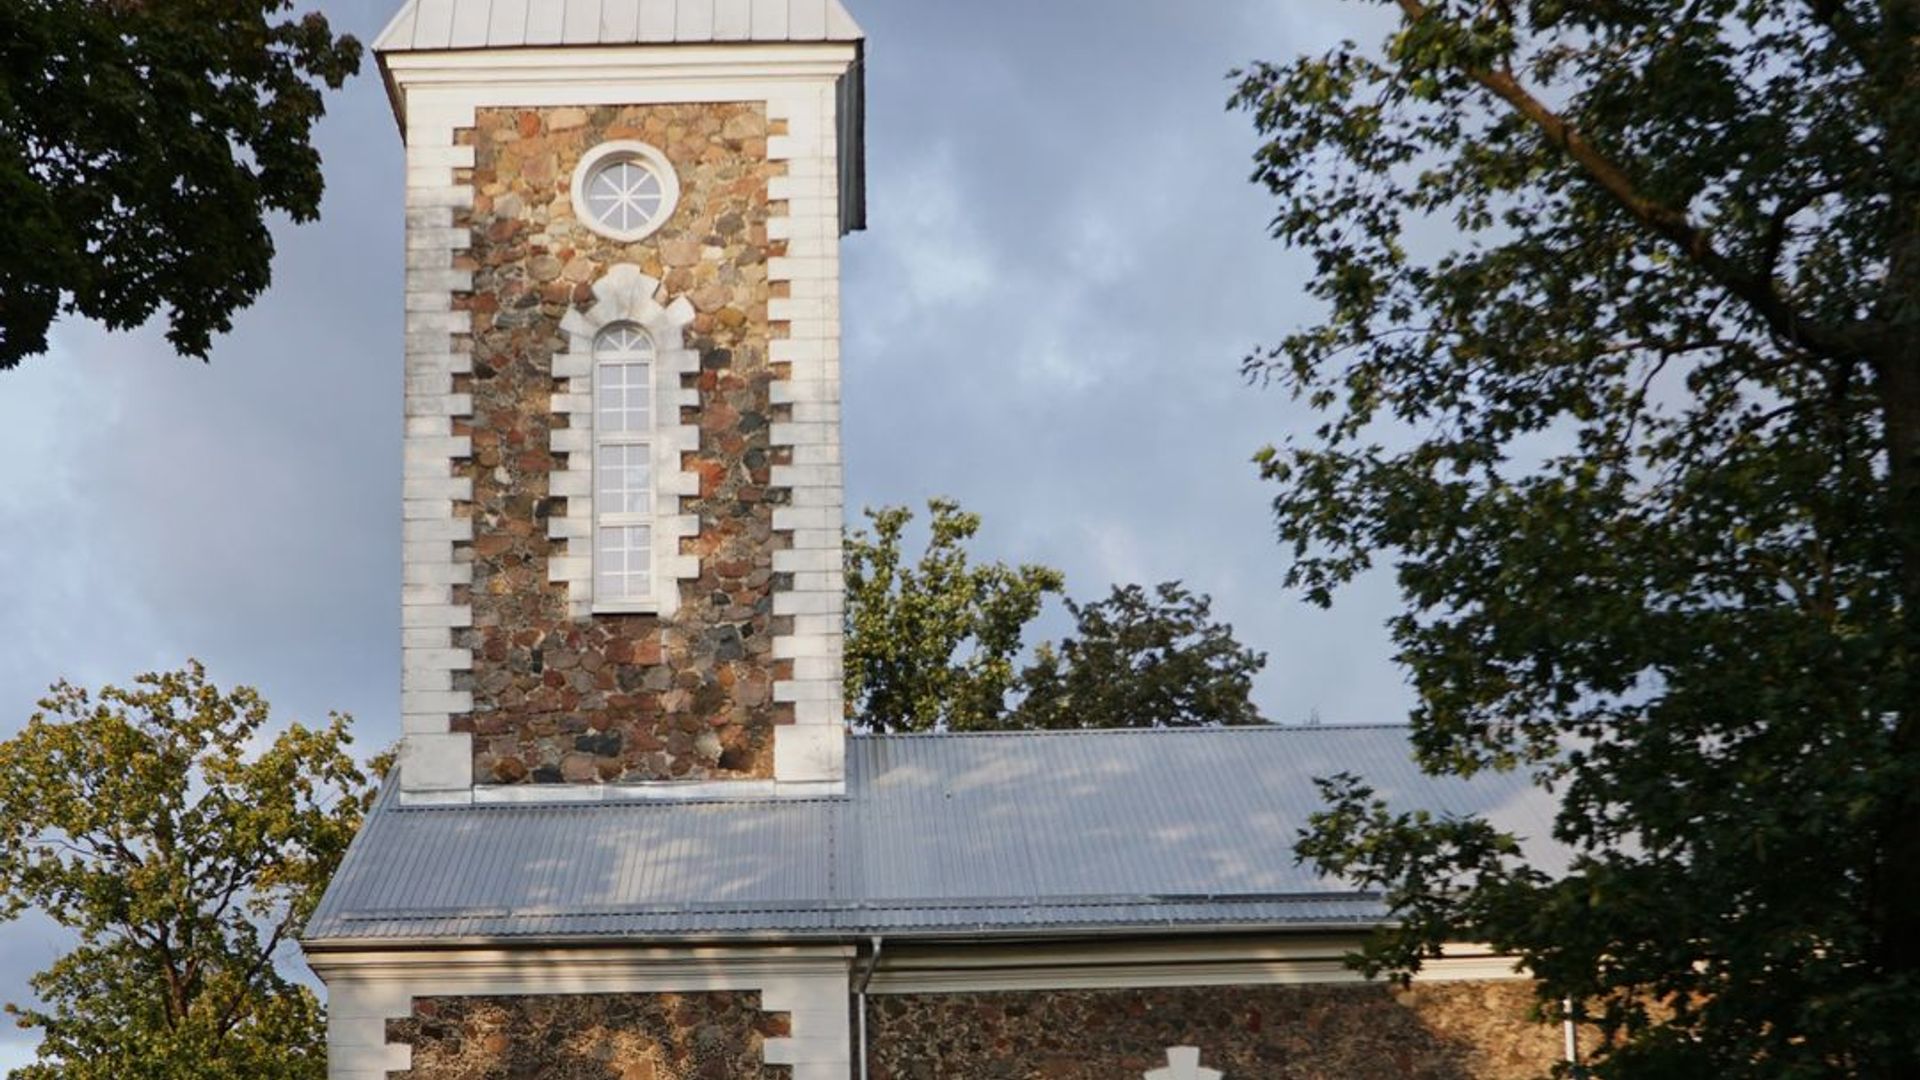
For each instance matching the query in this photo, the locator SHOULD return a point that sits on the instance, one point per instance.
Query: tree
(937, 646)
(144, 820)
(1620, 367)
(141, 147)
(933, 645)
(1140, 660)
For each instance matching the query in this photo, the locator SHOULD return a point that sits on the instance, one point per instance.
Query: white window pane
(625, 195)
(623, 398)
(624, 338)
(624, 480)
(623, 341)
(623, 454)
(623, 563)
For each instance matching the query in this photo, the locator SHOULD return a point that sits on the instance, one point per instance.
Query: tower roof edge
(427, 25)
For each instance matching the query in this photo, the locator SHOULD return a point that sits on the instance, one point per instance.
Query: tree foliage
(938, 645)
(184, 849)
(1620, 368)
(141, 147)
(1140, 659)
(933, 645)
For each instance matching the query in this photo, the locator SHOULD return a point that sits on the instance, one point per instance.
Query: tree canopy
(1620, 371)
(184, 848)
(934, 644)
(940, 644)
(142, 146)
(1140, 659)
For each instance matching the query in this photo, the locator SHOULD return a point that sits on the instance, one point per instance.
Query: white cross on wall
(1183, 1063)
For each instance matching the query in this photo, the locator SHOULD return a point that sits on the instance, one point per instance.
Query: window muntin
(624, 190)
(625, 482)
(623, 564)
(624, 391)
(625, 194)
(624, 360)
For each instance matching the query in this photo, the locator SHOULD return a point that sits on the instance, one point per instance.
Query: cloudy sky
(1065, 263)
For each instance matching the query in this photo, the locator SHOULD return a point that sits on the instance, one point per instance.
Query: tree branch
(176, 987)
(1833, 15)
(1671, 224)
(231, 1014)
(1782, 217)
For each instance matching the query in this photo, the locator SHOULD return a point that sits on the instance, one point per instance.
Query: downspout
(1567, 1026)
(873, 961)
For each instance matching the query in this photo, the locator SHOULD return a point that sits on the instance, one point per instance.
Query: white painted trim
(625, 294)
(368, 988)
(1183, 1063)
(814, 746)
(1204, 961)
(669, 791)
(434, 560)
(633, 969)
(625, 150)
(598, 64)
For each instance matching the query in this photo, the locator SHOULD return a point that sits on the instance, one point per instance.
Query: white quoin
(1183, 1063)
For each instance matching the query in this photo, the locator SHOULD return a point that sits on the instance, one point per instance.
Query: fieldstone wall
(619, 697)
(1431, 1031)
(705, 1036)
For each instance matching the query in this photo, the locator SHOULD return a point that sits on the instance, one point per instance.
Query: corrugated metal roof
(481, 24)
(937, 835)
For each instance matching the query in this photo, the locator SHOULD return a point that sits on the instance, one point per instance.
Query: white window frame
(613, 153)
(606, 517)
(625, 295)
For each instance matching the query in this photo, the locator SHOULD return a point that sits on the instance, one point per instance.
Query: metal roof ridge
(890, 905)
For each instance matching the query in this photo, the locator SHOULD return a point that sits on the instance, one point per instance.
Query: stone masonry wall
(704, 1036)
(1431, 1031)
(620, 697)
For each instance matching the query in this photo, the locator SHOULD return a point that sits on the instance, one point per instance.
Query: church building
(632, 835)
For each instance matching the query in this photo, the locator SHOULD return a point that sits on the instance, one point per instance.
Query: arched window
(623, 466)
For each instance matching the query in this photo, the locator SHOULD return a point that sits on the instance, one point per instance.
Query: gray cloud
(1064, 266)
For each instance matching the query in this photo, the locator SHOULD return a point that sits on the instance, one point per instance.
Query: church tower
(623, 479)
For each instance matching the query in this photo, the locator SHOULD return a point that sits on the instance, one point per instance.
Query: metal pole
(1567, 1027)
(873, 961)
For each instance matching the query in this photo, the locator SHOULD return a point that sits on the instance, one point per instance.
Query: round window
(624, 190)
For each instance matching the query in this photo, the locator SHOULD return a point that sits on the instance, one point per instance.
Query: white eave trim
(594, 64)
(1200, 961)
(657, 964)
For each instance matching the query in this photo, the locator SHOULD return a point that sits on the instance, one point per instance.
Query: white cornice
(595, 64)
(1205, 961)
(611, 76)
(578, 970)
